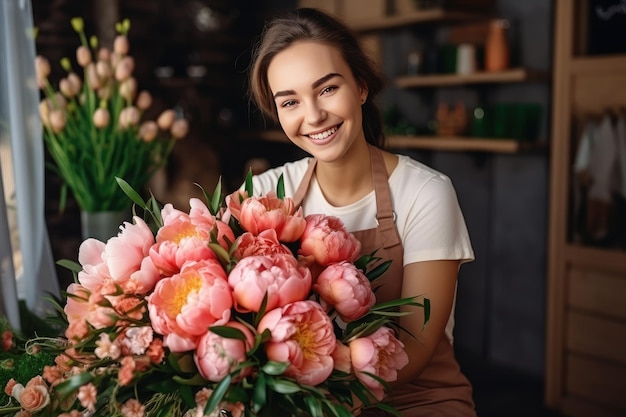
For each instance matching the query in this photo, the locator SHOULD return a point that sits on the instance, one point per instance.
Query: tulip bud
(92, 77)
(148, 131)
(65, 86)
(129, 116)
(144, 100)
(76, 82)
(57, 102)
(44, 112)
(104, 54)
(83, 56)
(78, 24)
(42, 67)
(180, 128)
(101, 118)
(128, 88)
(121, 45)
(104, 70)
(166, 119)
(125, 68)
(57, 120)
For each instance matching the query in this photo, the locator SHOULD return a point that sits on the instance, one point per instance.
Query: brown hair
(308, 24)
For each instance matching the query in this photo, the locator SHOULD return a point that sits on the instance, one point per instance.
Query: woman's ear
(364, 92)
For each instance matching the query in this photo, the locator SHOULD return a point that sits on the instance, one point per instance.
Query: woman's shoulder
(292, 173)
(415, 174)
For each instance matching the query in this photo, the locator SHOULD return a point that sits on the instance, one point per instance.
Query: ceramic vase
(102, 225)
(497, 46)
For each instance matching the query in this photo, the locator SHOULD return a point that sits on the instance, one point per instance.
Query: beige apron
(441, 389)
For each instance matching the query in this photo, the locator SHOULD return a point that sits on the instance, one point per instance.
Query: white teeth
(323, 135)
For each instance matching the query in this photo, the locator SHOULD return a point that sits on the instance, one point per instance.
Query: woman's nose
(314, 114)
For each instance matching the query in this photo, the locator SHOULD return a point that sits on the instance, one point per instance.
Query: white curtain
(26, 265)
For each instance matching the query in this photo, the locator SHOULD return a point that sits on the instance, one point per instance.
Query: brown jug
(497, 46)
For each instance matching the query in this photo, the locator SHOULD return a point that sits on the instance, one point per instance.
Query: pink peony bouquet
(239, 307)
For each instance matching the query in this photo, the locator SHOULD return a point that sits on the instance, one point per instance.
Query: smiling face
(317, 99)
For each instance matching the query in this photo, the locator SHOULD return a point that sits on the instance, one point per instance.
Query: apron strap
(385, 216)
(304, 183)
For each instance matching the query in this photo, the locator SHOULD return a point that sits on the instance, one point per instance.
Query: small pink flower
(155, 351)
(278, 275)
(218, 356)
(137, 339)
(270, 212)
(184, 306)
(107, 348)
(7, 340)
(302, 334)
(381, 354)
(88, 395)
(347, 289)
(53, 375)
(265, 243)
(127, 371)
(8, 389)
(133, 408)
(328, 241)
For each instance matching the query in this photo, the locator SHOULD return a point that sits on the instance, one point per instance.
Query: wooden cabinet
(586, 327)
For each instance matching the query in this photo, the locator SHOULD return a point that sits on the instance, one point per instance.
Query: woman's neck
(347, 181)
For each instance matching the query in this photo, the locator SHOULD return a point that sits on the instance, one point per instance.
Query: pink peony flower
(280, 276)
(347, 289)
(201, 216)
(265, 243)
(341, 358)
(270, 212)
(328, 241)
(127, 258)
(302, 334)
(184, 306)
(180, 242)
(381, 354)
(233, 205)
(218, 356)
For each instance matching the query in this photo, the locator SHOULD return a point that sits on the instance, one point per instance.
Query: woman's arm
(435, 280)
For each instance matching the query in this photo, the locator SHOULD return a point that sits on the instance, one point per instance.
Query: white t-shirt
(428, 216)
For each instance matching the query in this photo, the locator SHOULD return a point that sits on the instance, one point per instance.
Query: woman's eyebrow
(315, 84)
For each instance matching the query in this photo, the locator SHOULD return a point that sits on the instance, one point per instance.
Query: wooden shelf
(461, 144)
(514, 75)
(451, 144)
(421, 16)
(594, 257)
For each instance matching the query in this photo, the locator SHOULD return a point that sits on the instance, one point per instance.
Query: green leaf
(337, 410)
(280, 187)
(131, 193)
(72, 384)
(259, 395)
(186, 393)
(218, 394)
(216, 201)
(71, 265)
(388, 409)
(275, 368)
(194, 380)
(314, 406)
(261, 312)
(426, 310)
(228, 332)
(284, 386)
(378, 271)
(220, 252)
(248, 186)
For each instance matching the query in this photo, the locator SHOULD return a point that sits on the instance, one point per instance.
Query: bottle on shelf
(497, 46)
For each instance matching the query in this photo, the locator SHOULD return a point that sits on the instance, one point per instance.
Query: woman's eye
(329, 89)
(288, 103)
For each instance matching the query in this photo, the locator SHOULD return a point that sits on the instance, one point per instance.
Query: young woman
(310, 74)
